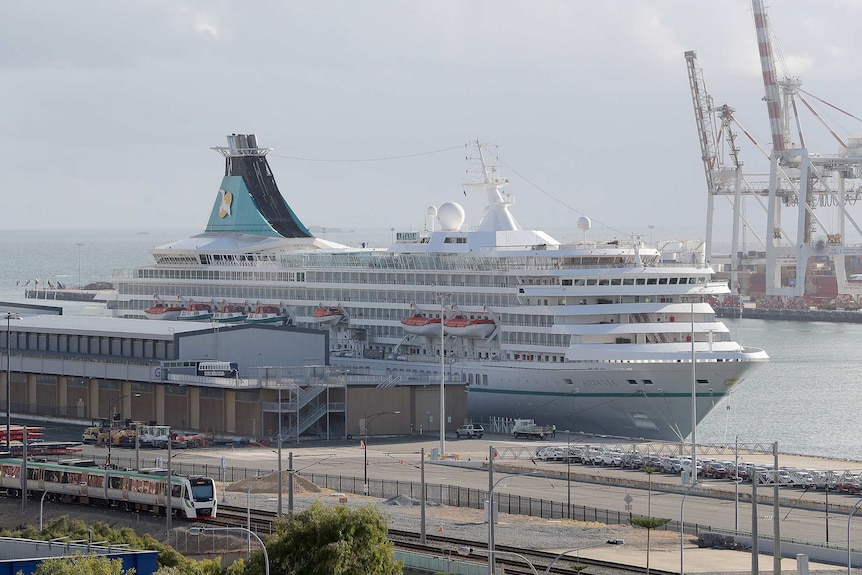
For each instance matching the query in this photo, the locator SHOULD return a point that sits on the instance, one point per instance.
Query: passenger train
(144, 490)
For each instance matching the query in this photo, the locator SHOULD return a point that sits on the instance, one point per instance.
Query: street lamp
(199, 530)
(466, 551)
(41, 507)
(681, 529)
(579, 549)
(849, 517)
(491, 517)
(9, 317)
(369, 419)
(248, 508)
(111, 422)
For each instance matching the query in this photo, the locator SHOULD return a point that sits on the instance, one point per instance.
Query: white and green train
(142, 490)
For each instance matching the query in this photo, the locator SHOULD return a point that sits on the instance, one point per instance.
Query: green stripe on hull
(590, 394)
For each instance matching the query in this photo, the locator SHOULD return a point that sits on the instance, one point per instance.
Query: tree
(82, 565)
(648, 523)
(330, 541)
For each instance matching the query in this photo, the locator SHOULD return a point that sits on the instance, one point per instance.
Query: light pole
(578, 550)
(465, 551)
(41, 507)
(170, 510)
(248, 508)
(369, 419)
(442, 375)
(111, 423)
(9, 317)
(491, 517)
(849, 549)
(199, 530)
(681, 530)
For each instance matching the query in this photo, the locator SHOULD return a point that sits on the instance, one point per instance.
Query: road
(398, 458)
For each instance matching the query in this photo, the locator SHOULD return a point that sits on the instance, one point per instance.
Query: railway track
(263, 523)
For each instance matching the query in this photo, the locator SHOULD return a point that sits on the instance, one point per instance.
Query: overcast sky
(109, 108)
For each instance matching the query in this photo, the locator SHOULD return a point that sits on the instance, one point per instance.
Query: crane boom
(704, 120)
(770, 79)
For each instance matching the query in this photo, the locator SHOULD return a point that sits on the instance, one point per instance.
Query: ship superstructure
(596, 337)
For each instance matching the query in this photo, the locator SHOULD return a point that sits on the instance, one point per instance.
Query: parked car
(715, 470)
(633, 461)
(612, 457)
(550, 453)
(651, 462)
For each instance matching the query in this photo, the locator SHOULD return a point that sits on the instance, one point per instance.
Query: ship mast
(496, 216)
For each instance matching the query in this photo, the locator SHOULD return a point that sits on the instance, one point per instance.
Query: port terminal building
(241, 380)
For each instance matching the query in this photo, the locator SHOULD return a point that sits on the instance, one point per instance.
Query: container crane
(720, 180)
(804, 181)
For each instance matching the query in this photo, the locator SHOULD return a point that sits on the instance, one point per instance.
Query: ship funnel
(252, 141)
(241, 141)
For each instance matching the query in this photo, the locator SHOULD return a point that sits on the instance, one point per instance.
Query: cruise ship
(611, 338)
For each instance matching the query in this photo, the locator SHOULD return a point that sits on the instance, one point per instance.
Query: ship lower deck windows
(633, 382)
(647, 382)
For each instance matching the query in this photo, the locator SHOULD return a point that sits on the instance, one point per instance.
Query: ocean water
(806, 398)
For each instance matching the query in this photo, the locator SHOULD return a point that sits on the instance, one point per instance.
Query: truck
(527, 428)
(470, 430)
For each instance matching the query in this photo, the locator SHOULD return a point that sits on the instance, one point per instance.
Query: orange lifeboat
(161, 310)
(463, 327)
(419, 324)
(327, 314)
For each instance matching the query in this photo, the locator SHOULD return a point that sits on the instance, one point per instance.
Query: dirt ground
(269, 484)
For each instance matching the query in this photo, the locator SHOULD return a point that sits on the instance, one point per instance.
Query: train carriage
(129, 490)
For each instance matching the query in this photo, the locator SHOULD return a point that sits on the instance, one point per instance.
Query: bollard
(801, 564)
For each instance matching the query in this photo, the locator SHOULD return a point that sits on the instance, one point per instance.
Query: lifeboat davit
(463, 327)
(419, 324)
(161, 310)
(327, 314)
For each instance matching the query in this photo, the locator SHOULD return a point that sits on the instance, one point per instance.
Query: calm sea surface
(808, 397)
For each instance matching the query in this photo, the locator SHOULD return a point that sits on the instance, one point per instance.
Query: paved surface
(396, 458)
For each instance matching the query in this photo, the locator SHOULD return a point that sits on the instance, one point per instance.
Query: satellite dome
(451, 216)
(584, 223)
(431, 212)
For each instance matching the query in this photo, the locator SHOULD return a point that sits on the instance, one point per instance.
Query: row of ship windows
(218, 275)
(329, 295)
(384, 278)
(633, 281)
